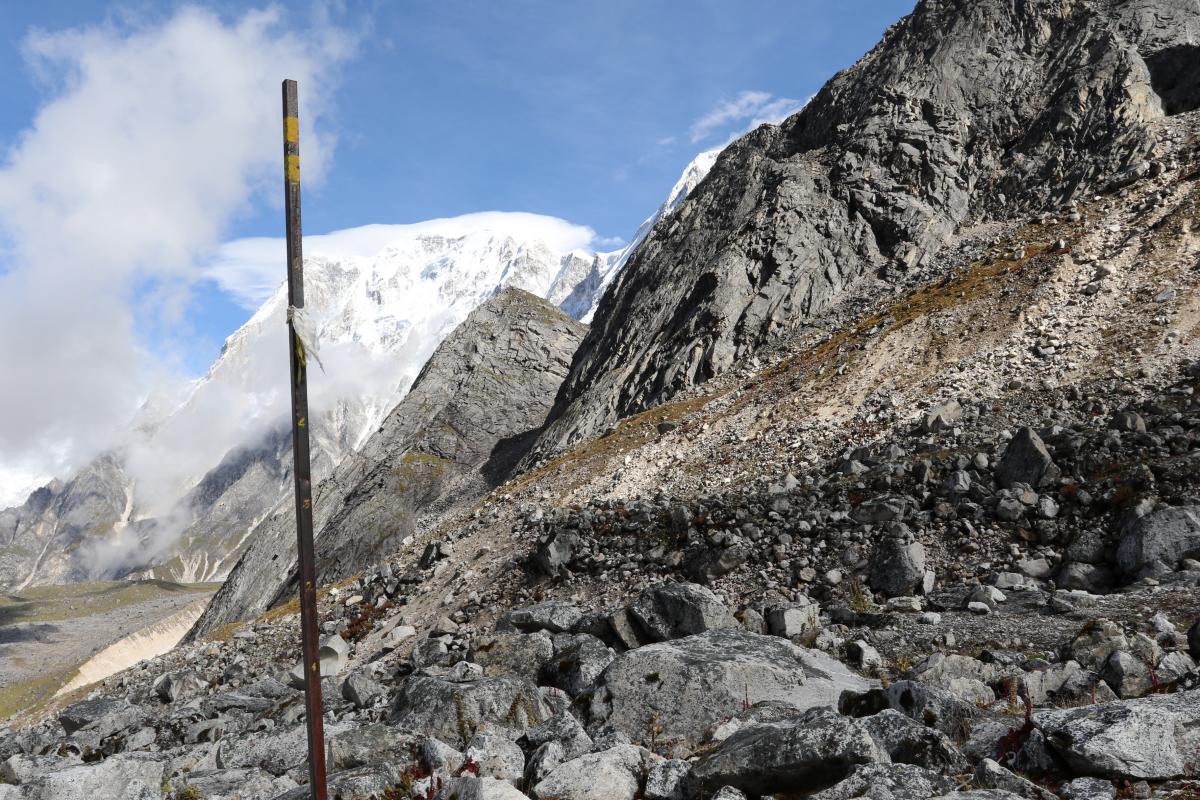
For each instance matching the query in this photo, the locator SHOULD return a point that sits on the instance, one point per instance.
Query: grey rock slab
(454, 711)
(613, 774)
(469, 787)
(369, 744)
(687, 685)
(1155, 543)
(807, 753)
(907, 741)
(888, 782)
(118, 777)
(519, 654)
(673, 610)
(553, 616)
(496, 757)
(1153, 738)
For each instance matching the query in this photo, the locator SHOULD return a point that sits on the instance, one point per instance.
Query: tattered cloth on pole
(307, 340)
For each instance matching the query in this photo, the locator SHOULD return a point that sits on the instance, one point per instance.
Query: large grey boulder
(1152, 738)
(577, 665)
(613, 774)
(553, 616)
(369, 744)
(673, 610)
(226, 784)
(469, 787)
(104, 715)
(1026, 460)
(888, 782)
(897, 566)
(687, 685)
(1155, 543)
(118, 777)
(520, 654)
(454, 710)
(812, 751)
(928, 705)
(174, 686)
(907, 741)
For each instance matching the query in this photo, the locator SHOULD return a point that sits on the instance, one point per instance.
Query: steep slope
(585, 298)
(965, 111)
(471, 413)
(177, 500)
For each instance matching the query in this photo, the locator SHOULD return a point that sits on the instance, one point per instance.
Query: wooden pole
(302, 468)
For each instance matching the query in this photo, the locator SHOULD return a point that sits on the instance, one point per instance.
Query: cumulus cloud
(153, 136)
(249, 269)
(746, 111)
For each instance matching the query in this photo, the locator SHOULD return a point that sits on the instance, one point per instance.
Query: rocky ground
(840, 571)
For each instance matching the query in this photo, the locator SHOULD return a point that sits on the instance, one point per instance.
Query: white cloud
(249, 270)
(153, 138)
(746, 111)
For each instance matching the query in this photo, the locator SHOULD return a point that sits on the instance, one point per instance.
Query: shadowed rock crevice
(1175, 76)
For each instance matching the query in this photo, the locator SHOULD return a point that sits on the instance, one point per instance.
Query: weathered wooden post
(300, 447)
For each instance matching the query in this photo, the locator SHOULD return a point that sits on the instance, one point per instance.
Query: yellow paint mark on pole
(291, 130)
(293, 168)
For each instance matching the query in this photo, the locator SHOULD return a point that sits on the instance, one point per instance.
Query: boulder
(362, 690)
(1152, 738)
(454, 710)
(369, 744)
(553, 616)
(276, 751)
(173, 686)
(798, 619)
(496, 757)
(897, 567)
(667, 779)
(907, 741)
(577, 665)
(1154, 544)
(612, 774)
(118, 777)
(519, 654)
(1126, 674)
(1027, 461)
(103, 714)
(673, 610)
(469, 787)
(687, 685)
(990, 775)
(809, 752)
(888, 782)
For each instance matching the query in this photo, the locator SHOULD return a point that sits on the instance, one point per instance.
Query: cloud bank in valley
(153, 136)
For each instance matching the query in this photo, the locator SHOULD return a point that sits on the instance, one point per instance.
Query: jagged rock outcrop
(966, 110)
(471, 414)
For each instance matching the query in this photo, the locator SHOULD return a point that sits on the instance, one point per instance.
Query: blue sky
(137, 137)
(580, 110)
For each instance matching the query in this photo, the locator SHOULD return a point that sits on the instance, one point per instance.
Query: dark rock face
(966, 109)
(458, 432)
